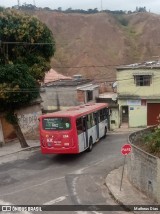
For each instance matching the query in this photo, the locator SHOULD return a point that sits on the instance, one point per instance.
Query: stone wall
(143, 169)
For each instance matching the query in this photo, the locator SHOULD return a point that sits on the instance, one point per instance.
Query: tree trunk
(12, 118)
(20, 135)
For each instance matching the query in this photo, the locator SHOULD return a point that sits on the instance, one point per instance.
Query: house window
(142, 80)
(89, 96)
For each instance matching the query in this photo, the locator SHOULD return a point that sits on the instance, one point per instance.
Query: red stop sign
(126, 149)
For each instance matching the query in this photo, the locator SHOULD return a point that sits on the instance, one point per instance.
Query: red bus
(74, 130)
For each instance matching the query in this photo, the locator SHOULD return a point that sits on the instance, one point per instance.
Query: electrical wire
(24, 90)
(27, 43)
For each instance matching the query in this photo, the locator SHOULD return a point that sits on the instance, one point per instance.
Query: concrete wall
(28, 121)
(67, 97)
(143, 169)
(95, 94)
(114, 119)
(137, 116)
(137, 113)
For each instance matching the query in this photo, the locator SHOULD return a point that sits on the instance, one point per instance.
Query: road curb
(116, 199)
(21, 150)
(126, 208)
(128, 195)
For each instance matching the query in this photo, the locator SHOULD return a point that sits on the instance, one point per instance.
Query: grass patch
(150, 142)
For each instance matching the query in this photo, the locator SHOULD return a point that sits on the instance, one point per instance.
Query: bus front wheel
(90, 145)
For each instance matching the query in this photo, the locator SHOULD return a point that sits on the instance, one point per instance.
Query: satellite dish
(114, 85)
(114, 97)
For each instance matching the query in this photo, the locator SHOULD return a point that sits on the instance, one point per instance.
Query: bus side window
(93, 119)
(101, 115)
(95, 115)
(98, 113)
(79, 125)
(105, 113)
(89, 122)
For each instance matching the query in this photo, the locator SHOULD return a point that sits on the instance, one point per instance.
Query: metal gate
(153, 111)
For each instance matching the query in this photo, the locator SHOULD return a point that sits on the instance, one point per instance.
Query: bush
(152, 140)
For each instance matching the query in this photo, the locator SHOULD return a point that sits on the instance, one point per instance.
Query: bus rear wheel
(90, 145)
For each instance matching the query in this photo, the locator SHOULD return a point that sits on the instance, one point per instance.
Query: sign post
(125, 150)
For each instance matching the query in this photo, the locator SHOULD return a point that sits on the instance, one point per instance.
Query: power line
(86, 66)
(24, 90)
(10, 42)
(29, 43)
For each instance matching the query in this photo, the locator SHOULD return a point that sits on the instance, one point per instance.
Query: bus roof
(77, 111)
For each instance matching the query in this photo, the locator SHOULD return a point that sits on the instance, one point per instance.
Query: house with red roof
(53, 75)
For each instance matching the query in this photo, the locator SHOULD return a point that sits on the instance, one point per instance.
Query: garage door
(153, 111)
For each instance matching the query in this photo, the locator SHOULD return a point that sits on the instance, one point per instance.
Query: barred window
(79, 125)
(142, 80)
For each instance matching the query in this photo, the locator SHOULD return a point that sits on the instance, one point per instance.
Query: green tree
(26, 46)
(17, 89)
(25, 40)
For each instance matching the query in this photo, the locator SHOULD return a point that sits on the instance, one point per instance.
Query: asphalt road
(63, 179)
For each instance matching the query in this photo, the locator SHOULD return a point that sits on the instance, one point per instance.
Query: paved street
(63, 179)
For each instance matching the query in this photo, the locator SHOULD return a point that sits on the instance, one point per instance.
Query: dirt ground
(95, 44)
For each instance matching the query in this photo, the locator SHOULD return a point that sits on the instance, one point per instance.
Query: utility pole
(34, 3)
(101, 5)
(18, 3)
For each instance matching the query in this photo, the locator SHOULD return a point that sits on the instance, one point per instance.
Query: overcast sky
(152, 5)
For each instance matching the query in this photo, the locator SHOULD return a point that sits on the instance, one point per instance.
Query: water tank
(77, 77)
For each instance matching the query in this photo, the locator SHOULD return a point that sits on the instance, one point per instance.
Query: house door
(153, 112)
(124, 114)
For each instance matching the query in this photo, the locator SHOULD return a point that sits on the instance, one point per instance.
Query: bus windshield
(56, 123)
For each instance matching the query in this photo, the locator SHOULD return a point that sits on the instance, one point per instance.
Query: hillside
(93, 45)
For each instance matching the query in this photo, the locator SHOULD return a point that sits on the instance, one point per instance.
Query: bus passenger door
(85, 131)
(96, 123)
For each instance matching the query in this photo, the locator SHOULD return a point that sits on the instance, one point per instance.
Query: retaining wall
(143, 169)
